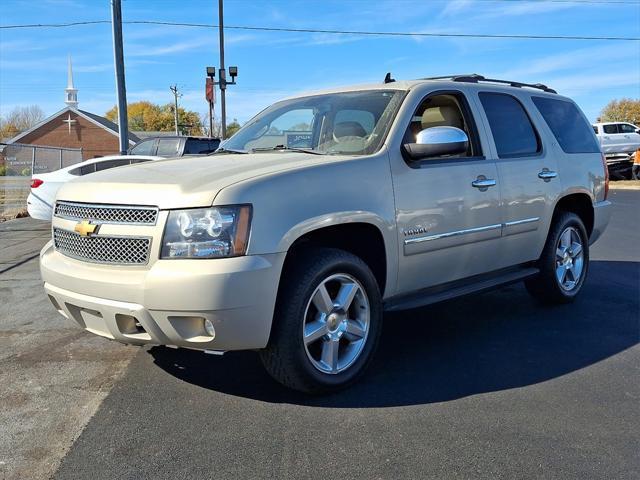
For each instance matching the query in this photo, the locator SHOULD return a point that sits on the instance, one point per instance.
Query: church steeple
(71, 93)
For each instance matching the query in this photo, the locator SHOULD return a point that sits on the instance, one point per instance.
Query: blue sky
(277, 64)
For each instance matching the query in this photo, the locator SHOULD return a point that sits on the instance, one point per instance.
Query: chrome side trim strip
(496, 226)
(521, 222)
(457, 233)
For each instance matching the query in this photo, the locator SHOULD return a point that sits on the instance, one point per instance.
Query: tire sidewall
(357, 269)
(566, 221)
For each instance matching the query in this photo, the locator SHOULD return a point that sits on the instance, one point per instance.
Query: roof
(448, 80)
(108, 124)
(102, 122)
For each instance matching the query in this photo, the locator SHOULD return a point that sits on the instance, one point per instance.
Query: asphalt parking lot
(489, 386)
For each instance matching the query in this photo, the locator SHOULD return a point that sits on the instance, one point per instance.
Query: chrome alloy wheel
(569, 259)
(336, 323)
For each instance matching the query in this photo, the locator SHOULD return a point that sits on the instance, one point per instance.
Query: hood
(183, 182)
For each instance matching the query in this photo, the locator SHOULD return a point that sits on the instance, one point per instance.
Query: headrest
(349, 129)
(442, 116)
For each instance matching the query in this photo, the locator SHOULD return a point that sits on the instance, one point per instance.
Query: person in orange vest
(635, 170)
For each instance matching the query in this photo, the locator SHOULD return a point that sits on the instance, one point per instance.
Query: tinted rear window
(111, 164)
(512, 130)
(568, 125)
(610, 128)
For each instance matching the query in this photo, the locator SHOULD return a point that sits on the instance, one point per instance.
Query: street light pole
(223, 77)
(121, 89)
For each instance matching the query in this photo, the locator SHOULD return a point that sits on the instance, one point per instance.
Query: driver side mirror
(437, 141)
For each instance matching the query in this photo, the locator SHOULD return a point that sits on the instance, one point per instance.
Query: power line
(327, 31)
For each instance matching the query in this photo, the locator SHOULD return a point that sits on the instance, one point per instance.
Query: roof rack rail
(475, 78)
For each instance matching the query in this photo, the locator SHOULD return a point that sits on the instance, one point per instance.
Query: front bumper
(601, 216)
(167, 303)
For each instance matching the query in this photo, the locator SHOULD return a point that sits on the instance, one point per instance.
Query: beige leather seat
(444, 116)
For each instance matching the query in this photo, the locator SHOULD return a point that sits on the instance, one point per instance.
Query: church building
(75, 128)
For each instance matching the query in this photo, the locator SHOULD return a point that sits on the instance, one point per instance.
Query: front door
(447, 208)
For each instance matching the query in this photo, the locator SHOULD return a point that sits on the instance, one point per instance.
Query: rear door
(612, 140)
(630, 138)
(527, 171)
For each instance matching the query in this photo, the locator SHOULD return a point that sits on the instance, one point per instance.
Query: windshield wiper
(228, 150)
(288, 149)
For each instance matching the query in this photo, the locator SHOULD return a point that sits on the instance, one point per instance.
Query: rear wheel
(327, 322)
(564, 262)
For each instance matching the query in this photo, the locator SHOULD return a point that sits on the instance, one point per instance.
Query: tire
(315, 345)
(563, 269)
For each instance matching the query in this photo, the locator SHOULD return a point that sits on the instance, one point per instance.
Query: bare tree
(20, 119)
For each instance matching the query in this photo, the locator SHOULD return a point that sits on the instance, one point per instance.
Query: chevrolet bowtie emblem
(85, 228)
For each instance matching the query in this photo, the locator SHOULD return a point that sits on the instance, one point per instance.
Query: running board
(456, 289)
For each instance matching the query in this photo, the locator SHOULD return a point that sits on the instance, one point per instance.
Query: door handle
(483, 183)
(547, 174)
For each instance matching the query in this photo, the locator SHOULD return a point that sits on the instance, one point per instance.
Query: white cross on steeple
(71, 92)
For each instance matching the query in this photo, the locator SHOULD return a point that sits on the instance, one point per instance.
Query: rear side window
(168, 147)
(567, 124)
(146, 147)
(198, 146)
(512, 130)
(111, 164)
(613, 128)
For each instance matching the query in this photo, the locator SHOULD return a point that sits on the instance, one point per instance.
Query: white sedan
(44, 186)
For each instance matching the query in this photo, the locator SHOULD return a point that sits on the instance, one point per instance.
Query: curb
(616, 186)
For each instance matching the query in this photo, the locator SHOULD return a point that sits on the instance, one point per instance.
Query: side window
(111, 164)
(445, 110)
(75, 171)
(87, 169)
(168, 147)
(146, 147)
(610, 129)
(510, 125)
(626, 128)
(196, 146)
(595, 129)
(567, 124)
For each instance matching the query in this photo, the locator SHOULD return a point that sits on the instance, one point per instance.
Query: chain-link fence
(18, 162)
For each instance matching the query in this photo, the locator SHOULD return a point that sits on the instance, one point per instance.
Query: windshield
(353, 123)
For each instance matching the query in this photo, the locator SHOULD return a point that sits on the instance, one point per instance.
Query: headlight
(207, 232)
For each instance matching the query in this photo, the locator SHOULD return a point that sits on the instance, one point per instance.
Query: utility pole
(121, 89)
(174, 90)
(223, 76)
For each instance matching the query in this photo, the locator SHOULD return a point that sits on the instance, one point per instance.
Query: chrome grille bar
(102, 213)
(103, 249)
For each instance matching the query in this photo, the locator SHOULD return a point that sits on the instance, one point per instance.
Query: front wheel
(327, 322)
(564, 261)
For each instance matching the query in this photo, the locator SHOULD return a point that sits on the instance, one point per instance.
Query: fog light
(208, 327)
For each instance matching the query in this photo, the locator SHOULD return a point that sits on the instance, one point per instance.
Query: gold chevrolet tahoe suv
(324, 211)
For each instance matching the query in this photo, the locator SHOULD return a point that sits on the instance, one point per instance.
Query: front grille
(103, 249)
(118, 214)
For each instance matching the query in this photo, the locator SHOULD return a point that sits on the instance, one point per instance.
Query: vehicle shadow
(478, 344)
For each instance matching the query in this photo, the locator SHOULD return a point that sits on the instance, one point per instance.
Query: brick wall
(94, 140)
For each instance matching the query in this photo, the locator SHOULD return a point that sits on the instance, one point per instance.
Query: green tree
(233, 127)
(151, 117)
(20, 119)
(623, 110)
